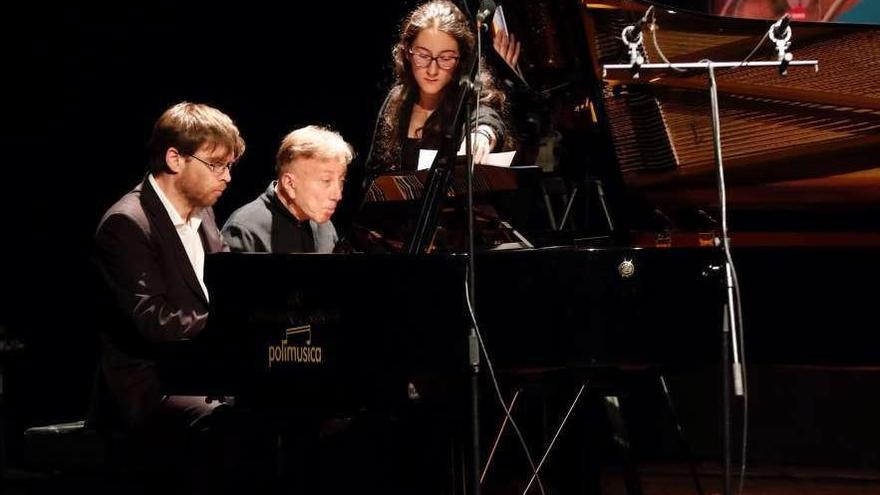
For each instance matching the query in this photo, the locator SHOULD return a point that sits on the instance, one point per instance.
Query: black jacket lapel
(168, 237)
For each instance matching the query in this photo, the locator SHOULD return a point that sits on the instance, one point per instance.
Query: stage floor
(665, 479)
(674, 479)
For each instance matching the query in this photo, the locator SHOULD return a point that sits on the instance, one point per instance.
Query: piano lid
(794, 145)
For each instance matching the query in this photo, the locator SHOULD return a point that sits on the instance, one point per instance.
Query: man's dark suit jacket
(152, 295)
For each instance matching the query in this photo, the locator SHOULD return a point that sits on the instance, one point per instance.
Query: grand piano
(803, 183)
(803, 199)
(633, 279)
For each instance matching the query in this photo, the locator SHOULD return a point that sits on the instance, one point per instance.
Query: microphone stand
(441, 170)
(730, 371)
(473, 87)
(473, 342)
(437, 184)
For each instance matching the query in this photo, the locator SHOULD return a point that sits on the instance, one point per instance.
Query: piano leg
(620, 435)
(580, 462)
(499, 435)
(683, 444)
(555, 437)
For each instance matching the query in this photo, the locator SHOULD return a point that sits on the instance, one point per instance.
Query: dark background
(82, 86)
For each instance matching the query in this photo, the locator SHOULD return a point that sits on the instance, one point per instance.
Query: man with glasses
(293, 214)
(150, 252)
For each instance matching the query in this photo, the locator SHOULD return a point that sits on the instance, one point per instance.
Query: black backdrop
(81, 87)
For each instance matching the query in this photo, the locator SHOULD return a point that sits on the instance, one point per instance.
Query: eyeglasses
(216, 168)
(422, 58)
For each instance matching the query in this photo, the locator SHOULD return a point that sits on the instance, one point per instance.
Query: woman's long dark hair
(444, 16)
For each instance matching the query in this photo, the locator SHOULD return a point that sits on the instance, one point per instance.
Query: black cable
(653, 29)
(755, 49)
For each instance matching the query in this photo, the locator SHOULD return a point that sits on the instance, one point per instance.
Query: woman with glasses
(436, 43)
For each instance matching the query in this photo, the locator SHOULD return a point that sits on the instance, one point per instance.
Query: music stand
(392, 202)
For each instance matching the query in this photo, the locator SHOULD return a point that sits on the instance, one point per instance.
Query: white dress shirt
(188, 231)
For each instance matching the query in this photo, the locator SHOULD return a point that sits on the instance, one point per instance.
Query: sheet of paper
(503, 159)
(499, 26)
(499, 23)
(426, 158)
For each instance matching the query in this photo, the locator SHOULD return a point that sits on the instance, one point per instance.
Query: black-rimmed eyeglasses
(422, 58)
(216, 168)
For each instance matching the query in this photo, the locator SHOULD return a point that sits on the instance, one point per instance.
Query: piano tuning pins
(586, 108)
(583, 107)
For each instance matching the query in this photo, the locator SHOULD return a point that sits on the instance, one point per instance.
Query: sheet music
(499, 23)
(502, 159)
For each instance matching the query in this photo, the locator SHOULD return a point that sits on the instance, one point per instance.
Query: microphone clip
(632, 38)
(484, 14)
(473, 86)
(780, 34)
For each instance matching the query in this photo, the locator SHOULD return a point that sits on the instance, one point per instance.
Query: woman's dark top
(403, 155)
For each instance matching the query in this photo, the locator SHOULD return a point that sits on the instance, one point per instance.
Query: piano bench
(74, 456)
(65, 447)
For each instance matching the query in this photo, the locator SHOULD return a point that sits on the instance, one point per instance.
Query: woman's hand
(507, 47)
(481, 145)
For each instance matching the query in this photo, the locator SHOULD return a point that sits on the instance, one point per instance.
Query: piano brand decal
(290, 352)
(626, 268)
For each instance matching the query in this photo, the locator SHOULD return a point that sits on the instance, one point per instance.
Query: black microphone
(632, 35)
(780, 26)
(780, 33)
(485, 11)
